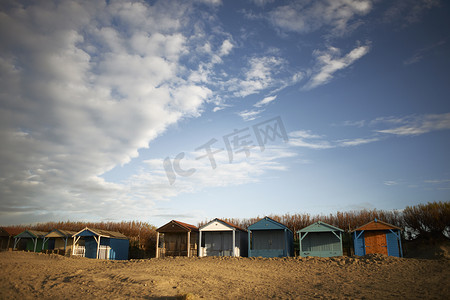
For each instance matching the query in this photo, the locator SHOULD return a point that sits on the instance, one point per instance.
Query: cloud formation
(339, 16)
(416, 124)
(329, 62)
(84, 86)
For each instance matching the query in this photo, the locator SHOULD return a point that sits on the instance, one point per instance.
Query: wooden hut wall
(175, 243)
(119, 249)
(194, 243)
(392, 241)
(5, 239)
(389, 242)
(358, 243)
(218, 243)
(269, 243)
(322, 244)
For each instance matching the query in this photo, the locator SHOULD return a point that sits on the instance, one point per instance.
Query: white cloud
(306, 139)
(265, 101)
(259, 76)
(329, 62)
(226, 48)
(81, 95)
(242, 169)
(390, 182)
(249, 115)
(415, 125)
(357, 141)
(308, 16)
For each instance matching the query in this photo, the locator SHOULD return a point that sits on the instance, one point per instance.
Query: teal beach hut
(268, 238)
(320, 239)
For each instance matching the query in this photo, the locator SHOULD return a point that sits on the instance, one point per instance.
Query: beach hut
(100, 244)
(268, 238)
(220, 238)
(7, 237)
(378, 237)
(320, 239)
(59, 241)
(30, 240)
(176, 239)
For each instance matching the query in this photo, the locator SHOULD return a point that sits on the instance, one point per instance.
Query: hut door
(375, 242)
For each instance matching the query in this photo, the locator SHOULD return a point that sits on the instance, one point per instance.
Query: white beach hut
(221, 238)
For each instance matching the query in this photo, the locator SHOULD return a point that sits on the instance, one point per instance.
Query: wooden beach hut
(30, 240)
(268, 238)
(220, 238)
(100, 244)
(176, 239)
(320, 239)
(378, 237)
(59, 241)
(7, 235)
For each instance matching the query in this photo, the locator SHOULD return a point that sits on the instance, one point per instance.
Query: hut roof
(319, 226)
(228, 224)
(377, 225)
(177, 226)
(60, 233)
(267, 224)
(102, 233)
(31, 234)
(10, 231)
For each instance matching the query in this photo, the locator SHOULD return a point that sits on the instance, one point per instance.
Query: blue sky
(108, 109)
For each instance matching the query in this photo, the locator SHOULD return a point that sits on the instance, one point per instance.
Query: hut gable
(377, 225)
(101, 233)
(220, 225)
(31, 234)
(177, 226)
(58, 233)
(320, 227)
(267, 224)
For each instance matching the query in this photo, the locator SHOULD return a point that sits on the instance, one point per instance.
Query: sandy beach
(30, 275)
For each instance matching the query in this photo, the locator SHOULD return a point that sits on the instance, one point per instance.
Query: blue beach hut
(378, 237)
(100, 244)
(268, 238)
(320, 239)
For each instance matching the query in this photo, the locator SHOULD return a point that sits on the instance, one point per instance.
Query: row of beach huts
(265, 238)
